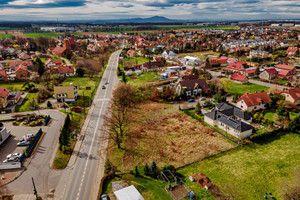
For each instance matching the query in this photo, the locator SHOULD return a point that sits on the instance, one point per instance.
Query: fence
(33, 143)
(46, 121)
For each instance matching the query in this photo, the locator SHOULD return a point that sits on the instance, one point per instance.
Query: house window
(241, 106)
(254, 107)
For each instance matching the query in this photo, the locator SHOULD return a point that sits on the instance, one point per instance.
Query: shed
(128, 193)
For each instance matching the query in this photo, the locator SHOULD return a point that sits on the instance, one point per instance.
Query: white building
(4, 134)
(254, 101)
(128, 193)
(169, 54)
(189, 60)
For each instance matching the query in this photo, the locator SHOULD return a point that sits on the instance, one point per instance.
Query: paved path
(82, 179)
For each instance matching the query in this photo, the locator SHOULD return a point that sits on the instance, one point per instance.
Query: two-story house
(4, 94)
(253, 101)
(192, 87)
(65, 93)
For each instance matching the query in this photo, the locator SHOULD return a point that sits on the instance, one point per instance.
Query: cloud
(20, 4)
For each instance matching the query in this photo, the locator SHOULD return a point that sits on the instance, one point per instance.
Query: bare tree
(124, 95)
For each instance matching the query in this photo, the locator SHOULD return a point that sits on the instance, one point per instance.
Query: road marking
(93, 139)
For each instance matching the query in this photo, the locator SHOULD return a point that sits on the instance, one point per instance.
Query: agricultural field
(4, 36)
(36, 35)
(237, 88)
(202, 55)
(250, 171)
(143, 79)
(161, 133)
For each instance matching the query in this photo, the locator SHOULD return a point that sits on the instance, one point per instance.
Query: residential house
(52, 62)
(14, 98)
(23, 56)
(61, 52)
(218, 62)
(291, 51)
(294, 80)
(128, 193)
(193, 61)
(239, 77)
(168, 54)
(14, 64)
(268, 74)
(231, 60)
(65, 93)
(93, 48)
(259, 54)
(62, 70)
(291, 69)
(292, 95)
(237, 66)
(3, 75)
(192, 87)
(249, 72)
(4, 94)
(131, 53)
(22, 72)
(230, 119)
(253, 101)
(153, 66)
(69, 43)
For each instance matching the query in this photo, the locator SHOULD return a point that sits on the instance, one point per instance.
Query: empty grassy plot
(4, 36)
(143, 79)
(161, 133)
(247, 172)
(48, 35)
(237, 88)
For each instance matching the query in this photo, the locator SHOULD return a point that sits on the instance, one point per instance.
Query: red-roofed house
(291, 51)
(192, 87)
(14, 64)
(292, 69)
(249, 73)
(4, 93)
(131, 53)
(292, 95)
(69, 43)
(268, 74)
(61, 51)
(62, 70)
(237, 66)
(22, 72)
(253, 101)
(239, 77)
(3, 75)
(153, 66)
(52, 62)
(285, 73)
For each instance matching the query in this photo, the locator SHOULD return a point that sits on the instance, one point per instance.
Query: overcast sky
(22, 10)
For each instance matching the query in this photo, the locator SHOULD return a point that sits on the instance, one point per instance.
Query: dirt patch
(132, 77)
(91, 64)
(161, 133)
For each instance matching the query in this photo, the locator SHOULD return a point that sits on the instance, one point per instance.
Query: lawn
(25, 104)
(82, 83)
(237, 88)
(4, 36)
(36, 35)
(134, 61)
(250, 171)
(143, 79)
(150, 189)
(202, 55)
(13, 86)
(161, 133)
(272, 115)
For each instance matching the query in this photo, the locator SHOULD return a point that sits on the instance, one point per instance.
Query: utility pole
(83, 102)
(34, 189)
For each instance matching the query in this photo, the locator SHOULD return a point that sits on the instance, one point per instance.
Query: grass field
(4, 36)
(25, 104)
(13, 86)
(160, 132)
(8, 28)
(250, 171)
(36, 35)
(202, 55)
(143, 79)
(272, 115)
(134, 61)
(236, 88)
(81, 84)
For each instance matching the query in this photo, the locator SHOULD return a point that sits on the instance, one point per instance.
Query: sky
(50, 10)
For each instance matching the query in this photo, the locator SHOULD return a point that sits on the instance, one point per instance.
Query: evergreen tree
(80, 72)
(257, 71)
(49, 104)
(124, 77)
(198, 108)
(146, 170)
(137, 173)
(153, 169)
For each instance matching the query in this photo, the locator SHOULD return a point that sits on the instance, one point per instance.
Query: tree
(153, 169)
(80, 72)
(39, 66)
(212, 87)
(146, 170)
(168, 93)
(257, 71)
(137, 173)
(125, 95)
(124, 77)
(32, 103)
(195, 71)
(198, 108)
(218, 97)
(281, 111)
(43, 94)
(294, 125)
(155, 95)
(49, 104)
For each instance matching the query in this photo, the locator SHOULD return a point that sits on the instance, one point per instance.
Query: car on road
(104, 197)
(202, 99)
(103, 87)
(25, 143)
(191, 100)
(13, 155)
(106, 82)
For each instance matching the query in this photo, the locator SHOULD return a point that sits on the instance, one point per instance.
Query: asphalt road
(83, 176)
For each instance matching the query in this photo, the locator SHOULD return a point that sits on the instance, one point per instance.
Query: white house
(169, 54)
(4, 134)
(230, 119)
(128, 193)
(189, 60)
(254, 101)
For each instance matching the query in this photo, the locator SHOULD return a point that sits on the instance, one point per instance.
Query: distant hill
(154, 19)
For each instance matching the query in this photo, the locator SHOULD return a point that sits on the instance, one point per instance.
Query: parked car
(191, 100)
(25, 143)
(13, 155)
(103, 87)
(26, 137)
(202, 99)
(104, 197)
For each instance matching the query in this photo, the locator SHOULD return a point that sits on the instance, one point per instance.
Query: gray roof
(230, 110)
